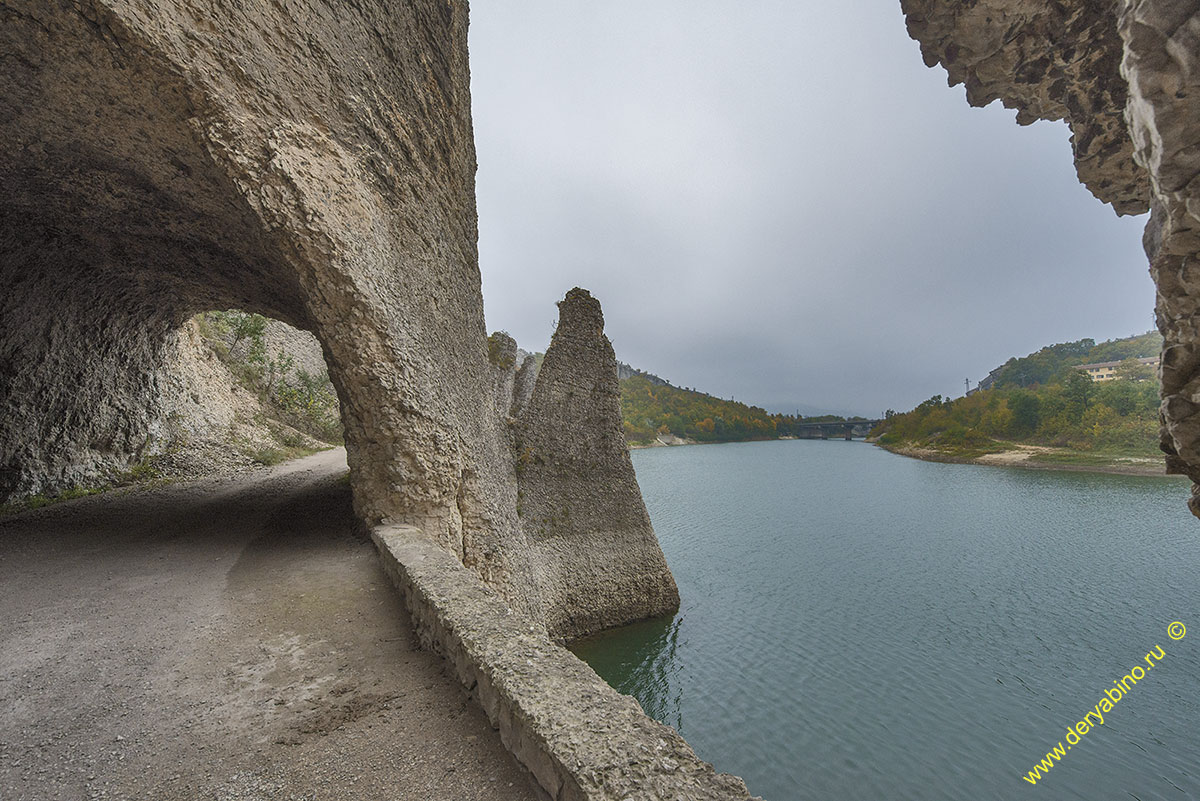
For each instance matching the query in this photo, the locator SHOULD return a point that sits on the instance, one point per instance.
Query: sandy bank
(665, 441)
(1041, 457)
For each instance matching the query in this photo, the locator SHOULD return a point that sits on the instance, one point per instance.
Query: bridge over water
(847, 429)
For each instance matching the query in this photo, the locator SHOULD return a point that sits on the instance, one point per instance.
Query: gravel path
(225, 639)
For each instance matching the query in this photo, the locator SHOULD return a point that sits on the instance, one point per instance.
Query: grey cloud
(780, 202)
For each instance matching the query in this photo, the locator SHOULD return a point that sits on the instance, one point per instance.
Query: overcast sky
(779, 202)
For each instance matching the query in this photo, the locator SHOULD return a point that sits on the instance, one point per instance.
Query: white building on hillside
(1107, 371)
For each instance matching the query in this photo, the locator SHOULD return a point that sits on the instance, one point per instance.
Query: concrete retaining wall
(580, 738)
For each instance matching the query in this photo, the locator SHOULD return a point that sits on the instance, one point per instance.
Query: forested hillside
(1042, 399)
(1047, 364)
(651, 407)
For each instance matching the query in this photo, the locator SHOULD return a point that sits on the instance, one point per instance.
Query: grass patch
(269, 457)
(40, 500)
(971, 450)
(144, 472)
(1093, 458)
(942, 452)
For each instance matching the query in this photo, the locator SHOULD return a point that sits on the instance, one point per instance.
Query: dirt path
(227, 639)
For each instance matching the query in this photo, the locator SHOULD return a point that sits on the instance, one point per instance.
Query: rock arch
(313, 162)
(167, 163)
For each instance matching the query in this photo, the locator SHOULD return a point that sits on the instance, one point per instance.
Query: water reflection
(860, 625)
(640, 660)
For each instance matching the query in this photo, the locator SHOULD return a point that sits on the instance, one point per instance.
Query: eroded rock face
(1126, 75)
(166, 158)
(598, 561)
(309, 161)
(1049, 61)
(1162, 54)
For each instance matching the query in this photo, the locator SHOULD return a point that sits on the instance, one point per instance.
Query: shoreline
(1025, 458)
(658, 443)
(1021, 456)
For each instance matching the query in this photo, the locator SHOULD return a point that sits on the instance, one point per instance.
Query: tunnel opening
(116, 227)
(237, 390)
(259, 387)
(146, 183)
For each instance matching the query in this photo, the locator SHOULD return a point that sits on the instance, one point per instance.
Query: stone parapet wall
(578, 737)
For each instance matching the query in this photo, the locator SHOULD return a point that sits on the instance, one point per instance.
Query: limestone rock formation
(300, 346)
(309, 161)
(1125, 74)
(1049, 61)
(1162, 54)
(598, 561)
(523, 383)
(162, 158)
(212, 423)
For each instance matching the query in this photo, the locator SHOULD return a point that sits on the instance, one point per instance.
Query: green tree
(1133, 370)
(1077, 392)
(1121, 396)
(1026, 410)
(244, 327)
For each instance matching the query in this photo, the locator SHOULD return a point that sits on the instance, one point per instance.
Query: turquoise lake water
(859, 625)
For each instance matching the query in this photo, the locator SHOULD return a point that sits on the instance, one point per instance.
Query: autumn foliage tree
(649, 409)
